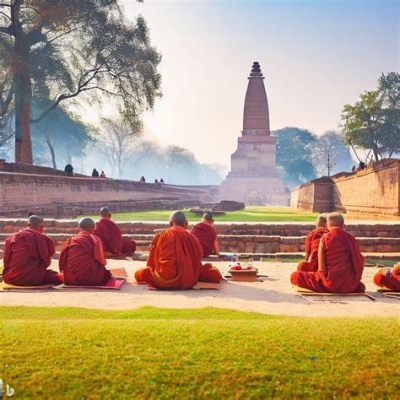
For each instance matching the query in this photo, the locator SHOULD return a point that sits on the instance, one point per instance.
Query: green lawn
(64, 353)
(250, 214)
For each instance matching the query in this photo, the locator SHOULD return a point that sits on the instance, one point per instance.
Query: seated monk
(312, 243)
(175, 259)
(206, 234)
(82, 258)
(340, 263)
(389, 279)
(27, 256)
(111, 236)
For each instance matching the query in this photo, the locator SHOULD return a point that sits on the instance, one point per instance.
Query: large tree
(294, 149)
(373, 122)
(61, 49)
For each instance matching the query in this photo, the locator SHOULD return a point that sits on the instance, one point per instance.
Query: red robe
(112, 240)
(82, 261)
(391, 282)
(27, 256)
(344, 266)
(206, 235)
(175, 262)
(312, 243)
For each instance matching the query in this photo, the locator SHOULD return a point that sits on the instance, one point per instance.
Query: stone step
(388, 230)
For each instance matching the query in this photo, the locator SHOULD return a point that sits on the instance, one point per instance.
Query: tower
(254, 177)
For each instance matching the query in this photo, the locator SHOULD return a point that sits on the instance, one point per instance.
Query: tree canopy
(61, 49)
(373, 122)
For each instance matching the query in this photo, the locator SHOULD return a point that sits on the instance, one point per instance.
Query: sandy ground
(274, 295)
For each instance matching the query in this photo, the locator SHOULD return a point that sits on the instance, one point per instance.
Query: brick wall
(20, 192)
(373, 192)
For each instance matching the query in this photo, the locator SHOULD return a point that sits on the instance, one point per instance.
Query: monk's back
(79, 262)
(343, 260)
(27, 255)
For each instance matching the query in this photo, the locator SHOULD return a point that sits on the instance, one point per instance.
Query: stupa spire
(256, 113)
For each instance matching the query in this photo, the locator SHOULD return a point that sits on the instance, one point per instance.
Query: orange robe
(344, 266)
(112, 240)
(312, 243)
(27, 256)
(389, 281)
(206, 235)
(82, 261)
(175, 262)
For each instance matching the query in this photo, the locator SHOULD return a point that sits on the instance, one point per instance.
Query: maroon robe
(82, 261)
(27, 256)
(343, 262)
(311, 247)
(206, 235)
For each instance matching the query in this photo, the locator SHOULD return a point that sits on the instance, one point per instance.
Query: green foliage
(373, 122)
(294, 148)
(59, 137)
(194, 354)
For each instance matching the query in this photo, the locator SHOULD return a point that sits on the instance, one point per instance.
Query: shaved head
(35, 222)
(321, 221)
(208, 217)
(178, 218)
(86, 224)
(104, 212)
(335, 220)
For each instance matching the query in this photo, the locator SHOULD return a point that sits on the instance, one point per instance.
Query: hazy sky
(316, 56)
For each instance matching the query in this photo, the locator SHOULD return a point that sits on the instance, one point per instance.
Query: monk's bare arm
(216, 247)
(321, 256)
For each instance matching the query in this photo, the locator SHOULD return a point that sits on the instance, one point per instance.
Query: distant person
(111, 236)
(27, 256)
(175, 259)
(340, 263)
(142, 179)
(205, 232)
(102, 175)
(82, 258)
(312, 244)
(95, 173)
(361, 166)
(69, 170)
(161, 180)
(353, 169)
(389, 279)
(156, 181)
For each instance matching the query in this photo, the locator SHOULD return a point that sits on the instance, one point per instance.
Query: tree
(65, 136)
(62, 49)
(373, 122)
(117, 142)
(330, 155)
(294, 149)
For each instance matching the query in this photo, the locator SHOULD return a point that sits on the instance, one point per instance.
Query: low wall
(65, 196)
(373, 192)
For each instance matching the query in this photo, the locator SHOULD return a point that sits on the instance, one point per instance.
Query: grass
(250, 214)
(149, 353)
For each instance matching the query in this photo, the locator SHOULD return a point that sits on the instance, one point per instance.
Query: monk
(111, 236)
(27, 256)
(340, 263)
(389, 279)
(175, 259)
(207, 235)
(82, 258)
(311, 246)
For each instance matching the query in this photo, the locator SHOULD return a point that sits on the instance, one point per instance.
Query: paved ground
(274, 295)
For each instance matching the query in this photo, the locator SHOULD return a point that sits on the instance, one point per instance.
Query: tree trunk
(52, 152)
(23, 99)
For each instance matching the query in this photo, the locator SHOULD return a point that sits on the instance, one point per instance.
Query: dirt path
(274, 295)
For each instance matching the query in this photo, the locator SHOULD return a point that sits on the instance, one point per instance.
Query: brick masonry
(371, 193)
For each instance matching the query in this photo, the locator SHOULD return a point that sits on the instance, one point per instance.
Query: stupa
(254, 177)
